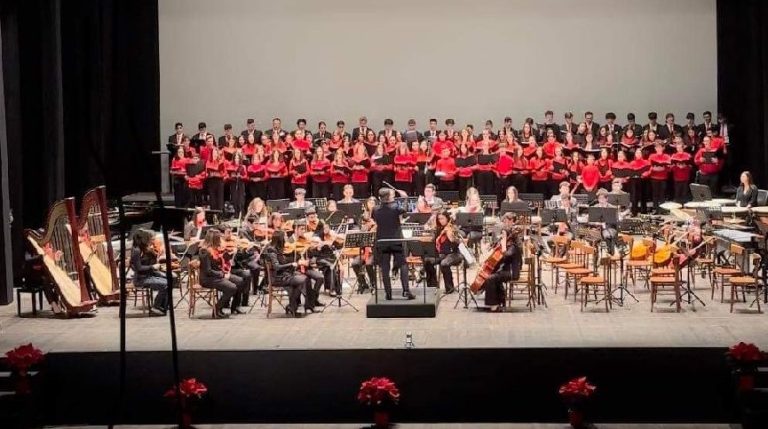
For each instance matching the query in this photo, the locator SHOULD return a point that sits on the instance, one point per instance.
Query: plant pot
(186, 420)
(576, 419)
(746, 382)
(22, 385)
(381, 419)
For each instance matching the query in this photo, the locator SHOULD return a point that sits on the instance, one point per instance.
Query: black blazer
(357, 131)
(617, 130)
(746, 199)
(427, 134)
(256, 136)
(637, 129)
(173, 140)
(666, 134)
(210, 269)
(594, 129)
(656, 129)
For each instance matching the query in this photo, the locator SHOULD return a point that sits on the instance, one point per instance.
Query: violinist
(609, 231)
(147, 269)
(473, 205)
(508, 267)
(314, 225)
(194, 227)
(214, 274)
(447, 241)
(325, 258)
(301, 247)
(366, 256)
(241, 262)
(283, 272)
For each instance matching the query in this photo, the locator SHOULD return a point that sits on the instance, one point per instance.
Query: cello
(488, 268)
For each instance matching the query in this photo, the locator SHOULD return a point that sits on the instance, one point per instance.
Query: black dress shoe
(319, 304)
(450, 291)
(409, 295)
(388, 296)
(309, 310)
(221, 314)
(237, 311)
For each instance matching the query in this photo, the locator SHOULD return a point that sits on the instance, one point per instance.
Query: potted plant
(575, 393)
(744, 359)
(19, 361)
(380, 394)
(188, 392)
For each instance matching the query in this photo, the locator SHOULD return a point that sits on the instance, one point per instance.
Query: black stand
(360, 240)
(622, 286)
(689, 293)
(464, 293)
(339, 298)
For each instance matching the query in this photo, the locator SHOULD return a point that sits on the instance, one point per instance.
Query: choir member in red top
(214, 179)
(237, 177)
(539, 166)
(248, 146)
(229, 149)
(195, 178)
(298, 169)
(300, 142)
(179, 171)
(257, 177)
(641, 169)
(681, 171)
(391, 146)
(277, 173)
(205, 151)
(559, 172)
(320, 170)
(691, 142)
(504, 170)
(529, 148)
(660, 164)
(629, 140)
(604, 165)
(526, 133)
(570, 144)
(466, 162)
(442, 143)
(419, 151)
(381, 168)
(574, 167)
(590, 176)
(340, 174)
(519, 169)
(335, 143)
(620, 169)
(484, 178)
(405, 167)
(360, 164)
(445, 171)
(551, 144)
(370, 144)
(709, 164)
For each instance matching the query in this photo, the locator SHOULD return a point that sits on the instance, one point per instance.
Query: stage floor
(562, 324)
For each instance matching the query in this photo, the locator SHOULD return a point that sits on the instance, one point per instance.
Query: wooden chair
(597, 284)
(559, 247)
(641, 268)
(725, 271)
(141, 295)
(274, 293)
(198, 292)
(747, 283)
(661, 283)
(704, 264)
(580, 260)
(525, 285)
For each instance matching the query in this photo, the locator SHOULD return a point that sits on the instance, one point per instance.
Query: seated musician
(447, 241)
(300, 202)
(609, 230)
(348, 195)
(300, 250)
(510, 264)
(564, 193)
(241, 260)
(746, 193)
(256, 218)
(314, 225)
(214, 274)
(512, 196)
(617, 188)
(194, 227)
(432, 201)
(146, 269)
(366, 257)
(473, 205)
(283, 272)
(692, 247)
(324, 256)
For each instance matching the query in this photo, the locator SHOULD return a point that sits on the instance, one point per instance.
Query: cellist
(508, 268)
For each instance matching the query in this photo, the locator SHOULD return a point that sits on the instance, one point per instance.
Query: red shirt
(438, 146)
(179, 166)
(301, 144)
(359, 169)
(549, 148)
(539, 169)
(659, 166)
(504, 165)
(639, 164)
(249, 149)
(590, 177)
(562, 165)
(321, 171)
(256, 172)
(681, 167)
(277, 170)
(621, 165)
(205, 152)
(234, 171)
(575, 169)
(447, 166)
(520, 166)
(340, 173)
(707, 167)
(215, 169)
(404, 167)
(467, 170)
(604, 165)
(299, 178)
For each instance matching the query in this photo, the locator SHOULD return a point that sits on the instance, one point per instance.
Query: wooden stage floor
(562, 324)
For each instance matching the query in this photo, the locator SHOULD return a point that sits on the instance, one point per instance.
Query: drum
(671, 205)
(466, 254)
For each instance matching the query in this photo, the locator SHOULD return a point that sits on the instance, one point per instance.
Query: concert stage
(467, 365)
(424, 305)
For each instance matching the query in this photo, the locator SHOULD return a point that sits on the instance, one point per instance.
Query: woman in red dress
(237, 177)
(298, 168)
(215, 173)
(629, 140)
(539, 166)
(420, 154)
(381, 168)
(257, 177)
(520, 170)
(277, 173)
(445, 171)
(641, 169)
(574, 168)
(340, 174)
(559, 172)
(604, 165)
(590, 177)
(361, 165)
(484, 177)
(320, 170)
(405, 167)
(247, 146)
(179, 171)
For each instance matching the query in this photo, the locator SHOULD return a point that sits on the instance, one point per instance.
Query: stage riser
(400, 307)
(438, 385)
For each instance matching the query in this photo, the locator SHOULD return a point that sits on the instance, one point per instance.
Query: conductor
(387, 218)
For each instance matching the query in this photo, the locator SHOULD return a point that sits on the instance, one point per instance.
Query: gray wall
(227, 60)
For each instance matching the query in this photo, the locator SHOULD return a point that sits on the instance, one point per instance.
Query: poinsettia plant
(577, 390)
(378, 392)
(745, 353)
(188, 388)
(24, 357)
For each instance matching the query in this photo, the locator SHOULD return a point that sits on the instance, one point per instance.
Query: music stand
(489, 202)
(516, 207)
(321, 204)
(469, 220)
(351, 210)
(448, 196)
(336, 218)
(277, 205)
(618, 200)
(359, 240)
(581, 199)
(424, 250)
(700, 192)
(420, 218)
(550, 216)
(293, 213)
(536, 200)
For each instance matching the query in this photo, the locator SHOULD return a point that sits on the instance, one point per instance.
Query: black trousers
(445, 262)
(494, 287)
(540, 187)
(361, 190)
(216, 192)
(386, 255)
(658, 193)
(637, 195)
(244, 291)
(338, 190)
(446, 185)
(196, 197)
(313, 276)
(610, 235)
(231, 289)
(357, 268)
(237, 195)
(294, 285)
(276, 189)
(681, 192)
(328, 269)
(419, 182)
(405, 186)
(484, 181)
(502, 183)
(257, 189)
(321, 189)
(180, 192)
(464, 183)
(709, 180)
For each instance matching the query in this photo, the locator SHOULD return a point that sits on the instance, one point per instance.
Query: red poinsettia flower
(577, 388)
(745, 352)
(378, 391)
(188, 388)
(23, 357)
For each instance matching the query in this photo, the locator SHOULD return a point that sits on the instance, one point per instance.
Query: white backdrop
(227, 60)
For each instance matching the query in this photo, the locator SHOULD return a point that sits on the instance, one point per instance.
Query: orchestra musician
(215, 274)
(609, 230)
(194, 227)
(302, 246)
(237, 252)
(387, 218)
(746, 193)
(147, 269)
(283, 272)
(365, 259)
(510, 265)
(300, 201)
(447, 239)
(430, 200)
(473, 204)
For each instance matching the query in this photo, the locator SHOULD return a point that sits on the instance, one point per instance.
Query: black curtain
(742, 57)
(82, 100)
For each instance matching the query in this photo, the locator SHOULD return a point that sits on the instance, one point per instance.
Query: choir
(654, 162)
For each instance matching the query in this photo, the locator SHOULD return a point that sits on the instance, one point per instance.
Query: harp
(95, 245)
(57, 246)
